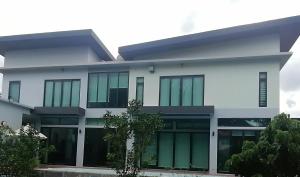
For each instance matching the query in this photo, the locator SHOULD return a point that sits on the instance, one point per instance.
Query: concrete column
(80, 142)
(213, 148)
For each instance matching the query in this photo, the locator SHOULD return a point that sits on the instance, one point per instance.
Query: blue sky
(120, 22)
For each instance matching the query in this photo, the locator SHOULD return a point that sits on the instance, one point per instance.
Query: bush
(123, 129)
(277, 153)
(19, 154)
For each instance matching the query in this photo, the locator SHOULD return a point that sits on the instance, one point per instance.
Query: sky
(123, 22)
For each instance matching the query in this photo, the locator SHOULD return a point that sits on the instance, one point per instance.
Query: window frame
(136, 88)
(9, 90)
(259, 87)
(107, 90)
(62, 89)
(181, 87)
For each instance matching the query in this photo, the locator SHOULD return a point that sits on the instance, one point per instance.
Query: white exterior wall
(12, 114)
(258, 45)
(49, 57)
(227, 85)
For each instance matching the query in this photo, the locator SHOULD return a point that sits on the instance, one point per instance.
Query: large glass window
(181, 91)
(140, 89)
(263, 89)
(62, 93)
(182, 144)
(230, 142)
(108, 90)
(14, 91)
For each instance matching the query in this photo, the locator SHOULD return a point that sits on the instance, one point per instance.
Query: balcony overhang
(72, 111)
(180, 112)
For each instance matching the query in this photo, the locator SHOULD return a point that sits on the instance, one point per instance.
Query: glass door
(165, 157)
(182, 151)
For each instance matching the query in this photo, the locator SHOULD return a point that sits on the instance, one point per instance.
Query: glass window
(49, 94)
(243, 122)
(57, 94)
(187, 91)
(93, 82)
(140, 89)
(102, 87)
(198, 90)
(95, 121)
(108, 90)
(181, 91)
(62, 93)
(14, 91)
(262, 89)
(66, 94)
(164, 92)
(175, 92)
(59, 121)
(230, 142)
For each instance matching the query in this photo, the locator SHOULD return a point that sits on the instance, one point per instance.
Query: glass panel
(187, 86)
(57, 94)
(165, 158)
(200, 151)
(263, 93)
(203, 124)
(149, 156)
(66, 93)
(69, 121)
(198, 91)
(95, 121)
(140, 89)
(113, 80)
(14, 92)
(50, 121)
(243, 122)
(49, 93)
(165, 92)
(223, 149)
(175, 92)
(95, 148)
(93, 82)
(102, 87)
(182, 150)
(113, 90)
(75, 93)
(65, 142)
(123, 80)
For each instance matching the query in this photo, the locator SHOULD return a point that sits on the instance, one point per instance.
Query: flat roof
(56, 39)
(288, 28)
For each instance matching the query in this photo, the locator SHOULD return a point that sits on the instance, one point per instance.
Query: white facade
(230, 68)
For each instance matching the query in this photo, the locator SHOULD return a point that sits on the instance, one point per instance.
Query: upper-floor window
(108, 90)
(14, 91)
(62, 93)
(181, 91)
(140, 89)
(262, 89)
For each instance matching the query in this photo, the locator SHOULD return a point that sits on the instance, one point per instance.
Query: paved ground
(107, 172)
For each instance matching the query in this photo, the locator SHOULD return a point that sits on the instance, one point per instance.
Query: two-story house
(213, 89)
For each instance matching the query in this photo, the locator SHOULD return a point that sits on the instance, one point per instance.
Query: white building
(214, 89)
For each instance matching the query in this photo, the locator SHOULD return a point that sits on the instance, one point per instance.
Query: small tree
(19, 154)
(132, 126)
(277, 153)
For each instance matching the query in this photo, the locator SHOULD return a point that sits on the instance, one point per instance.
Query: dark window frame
(62, 88)
(181, 86)
(9, 90)
(231, 122)
(136, 88)
(106, 104)
(265, 103)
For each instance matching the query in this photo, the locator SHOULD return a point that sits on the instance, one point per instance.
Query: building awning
(180, 112)
(73, 111)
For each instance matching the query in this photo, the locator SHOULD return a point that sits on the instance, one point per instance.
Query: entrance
(95, 148)
(65, 143)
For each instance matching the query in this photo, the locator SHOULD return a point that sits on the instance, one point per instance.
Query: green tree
(277, 153)
(123, 129)
(19, 154)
